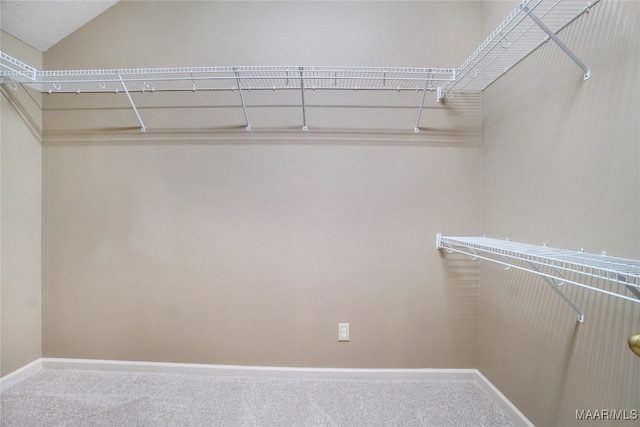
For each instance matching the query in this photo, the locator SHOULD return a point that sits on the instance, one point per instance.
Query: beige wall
(560, 166)
(245, 254)
(20, 212)
(198, 241)
(494, 12)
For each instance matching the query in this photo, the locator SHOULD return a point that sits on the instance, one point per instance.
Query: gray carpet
(92, 398)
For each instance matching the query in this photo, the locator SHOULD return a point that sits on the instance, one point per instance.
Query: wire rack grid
(560, 265)
(514, 39)
(235, 78)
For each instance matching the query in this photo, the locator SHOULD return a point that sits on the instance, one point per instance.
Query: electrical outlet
(343, 332)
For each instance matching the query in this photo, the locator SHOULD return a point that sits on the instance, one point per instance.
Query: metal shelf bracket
(424, 93)
(304, 113)
(244, 107)
(552, 36)
(135, 110)
(554, 287)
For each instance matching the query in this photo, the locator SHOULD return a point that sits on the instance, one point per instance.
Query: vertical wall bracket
(304, 113)
(554, 287)
(244, 107)
(552, 36)
(424, 93)
(135, 110)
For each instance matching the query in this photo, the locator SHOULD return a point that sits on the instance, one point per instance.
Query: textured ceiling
(41, 24)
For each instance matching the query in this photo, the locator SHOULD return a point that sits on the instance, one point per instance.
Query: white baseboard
(20, 374)
(266, 371)
(505, 403)
(257, 371)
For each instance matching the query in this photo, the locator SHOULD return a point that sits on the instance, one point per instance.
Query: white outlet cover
(343, 332)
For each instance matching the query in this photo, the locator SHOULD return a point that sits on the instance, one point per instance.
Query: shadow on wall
(179, 118)
(462, 275)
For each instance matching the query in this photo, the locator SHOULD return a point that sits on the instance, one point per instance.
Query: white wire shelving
(235, 78)
(557, 267)
(532, 23)
(240, 79)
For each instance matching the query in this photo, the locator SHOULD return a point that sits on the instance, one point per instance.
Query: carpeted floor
(114, 399)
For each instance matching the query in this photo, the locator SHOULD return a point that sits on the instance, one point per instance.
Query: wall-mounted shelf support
(135, 110)
(559, 42)
(244, 107)
(424, 93)
(556, 266)
(555, 288)
(304, 112)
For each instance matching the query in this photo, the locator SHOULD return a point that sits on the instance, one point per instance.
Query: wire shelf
(15, 69)
(235, 78)
(527, 27)
(515, 38)
(557, 266)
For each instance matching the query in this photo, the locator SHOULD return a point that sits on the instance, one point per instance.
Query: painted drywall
(560, 166)
(198, 241)
(20, 213)
(494, 13)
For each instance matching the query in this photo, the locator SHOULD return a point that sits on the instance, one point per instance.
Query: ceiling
(42, 24)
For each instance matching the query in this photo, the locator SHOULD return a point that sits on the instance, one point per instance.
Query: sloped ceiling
(42, 24)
